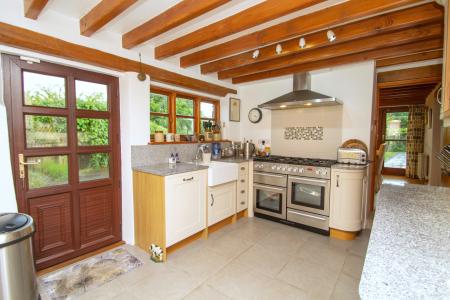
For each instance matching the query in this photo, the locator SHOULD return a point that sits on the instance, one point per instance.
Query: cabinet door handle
(242, 180)
(242, 202)
(242, 168)
(337, 180)
(212, 198)
(188, 179)
(243, 192)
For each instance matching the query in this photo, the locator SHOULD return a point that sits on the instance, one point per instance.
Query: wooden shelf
(187, 142)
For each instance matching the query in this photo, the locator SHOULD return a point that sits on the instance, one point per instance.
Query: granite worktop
(408, 256)
(167, 169)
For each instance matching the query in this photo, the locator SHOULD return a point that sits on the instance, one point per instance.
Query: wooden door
(65, 152)
(394, 129)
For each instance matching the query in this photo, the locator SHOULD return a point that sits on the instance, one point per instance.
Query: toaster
(351, 156)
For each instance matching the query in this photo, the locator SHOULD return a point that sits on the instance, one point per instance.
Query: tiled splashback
(156, 154)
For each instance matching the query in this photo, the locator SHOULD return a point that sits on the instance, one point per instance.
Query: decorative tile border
(314, 133)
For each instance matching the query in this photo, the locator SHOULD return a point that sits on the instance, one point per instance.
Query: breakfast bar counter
(409, 249)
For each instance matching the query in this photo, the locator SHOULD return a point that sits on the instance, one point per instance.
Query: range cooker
(293, 190)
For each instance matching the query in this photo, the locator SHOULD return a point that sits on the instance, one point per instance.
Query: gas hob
(306, 167)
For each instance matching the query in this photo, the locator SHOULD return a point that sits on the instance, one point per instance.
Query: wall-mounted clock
(255, 115)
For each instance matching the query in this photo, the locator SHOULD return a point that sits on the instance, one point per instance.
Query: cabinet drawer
(185, 177)
(243, 169)
(242, 198)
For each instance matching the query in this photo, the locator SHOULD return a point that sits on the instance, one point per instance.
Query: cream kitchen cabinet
(242, 187)
(348, 185)
(221, 202)
(185, 205)
(169, 209)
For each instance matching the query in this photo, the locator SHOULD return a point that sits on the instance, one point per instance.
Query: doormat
(77, 279)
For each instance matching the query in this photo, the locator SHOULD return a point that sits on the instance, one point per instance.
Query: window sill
(187, 142)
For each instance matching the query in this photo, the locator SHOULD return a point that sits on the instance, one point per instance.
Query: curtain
(414, 140)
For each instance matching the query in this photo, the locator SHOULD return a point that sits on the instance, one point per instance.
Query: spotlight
(279, 49)
(302, 43)
(331, 35)
(255, 54)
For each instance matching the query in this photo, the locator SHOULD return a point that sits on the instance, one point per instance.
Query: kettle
(248, 149)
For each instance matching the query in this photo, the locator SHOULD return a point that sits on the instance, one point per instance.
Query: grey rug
(75, 280)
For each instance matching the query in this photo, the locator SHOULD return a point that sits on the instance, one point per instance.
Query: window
(207, 115)
(181, 113)
(184, 109)
(159, 112)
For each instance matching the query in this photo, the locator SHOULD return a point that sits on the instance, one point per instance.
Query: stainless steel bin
(17, 273)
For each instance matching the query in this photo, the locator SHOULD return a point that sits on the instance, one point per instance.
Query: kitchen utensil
(170, 137)
(248, 149)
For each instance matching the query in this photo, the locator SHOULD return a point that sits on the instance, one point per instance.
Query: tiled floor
(251, 259)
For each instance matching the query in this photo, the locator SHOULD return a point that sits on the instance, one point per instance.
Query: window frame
(172, 115)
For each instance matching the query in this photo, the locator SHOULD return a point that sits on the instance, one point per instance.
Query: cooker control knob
(324, 172)
(278, 168)
(274, 167)
(284, 169)
(300, 170)
(295, 170)
(289, 169)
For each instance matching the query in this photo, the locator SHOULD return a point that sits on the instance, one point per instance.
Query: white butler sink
(220, 172)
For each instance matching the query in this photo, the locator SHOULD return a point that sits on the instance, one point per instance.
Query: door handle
(188, 179)
(23, 163)
(337, 180)
(212, 198)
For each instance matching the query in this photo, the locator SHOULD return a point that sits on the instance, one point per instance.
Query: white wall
(351, 84)
(8, 197)
(134, 130)
(253, 94)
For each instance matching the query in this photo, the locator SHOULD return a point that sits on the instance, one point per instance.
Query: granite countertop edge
(166, 170)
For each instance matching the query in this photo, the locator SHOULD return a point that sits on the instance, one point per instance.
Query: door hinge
(30, 60)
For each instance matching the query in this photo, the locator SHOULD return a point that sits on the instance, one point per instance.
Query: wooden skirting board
(343, 235)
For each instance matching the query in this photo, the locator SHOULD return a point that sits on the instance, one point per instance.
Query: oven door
(269, 200)
(309, 194)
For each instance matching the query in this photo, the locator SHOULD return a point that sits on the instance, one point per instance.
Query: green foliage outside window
(91, 131)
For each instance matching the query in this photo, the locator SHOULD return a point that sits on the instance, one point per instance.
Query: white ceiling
(144, 10)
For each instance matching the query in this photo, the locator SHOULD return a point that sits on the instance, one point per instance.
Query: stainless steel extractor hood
(301, 96)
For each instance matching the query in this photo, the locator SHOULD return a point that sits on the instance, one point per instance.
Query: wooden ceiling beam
(30, 40)
(250, 17)
(33, 8)
(102, 14)
(320, 20)
(370, 43)
(410, 74)
(392, 61)
(384, 23)
(346, 59)
(178, 14)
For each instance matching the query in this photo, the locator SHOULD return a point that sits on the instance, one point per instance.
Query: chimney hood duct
(301, 97)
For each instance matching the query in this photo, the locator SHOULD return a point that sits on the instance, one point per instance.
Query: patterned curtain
(414, 142)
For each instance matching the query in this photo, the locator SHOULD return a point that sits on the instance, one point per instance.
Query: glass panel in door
(395, 138)
(308, 195)
(270, 201)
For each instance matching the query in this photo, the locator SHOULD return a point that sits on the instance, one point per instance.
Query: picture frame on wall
(235, 110)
